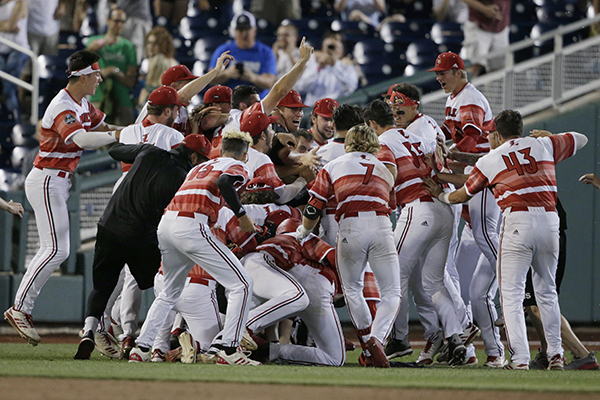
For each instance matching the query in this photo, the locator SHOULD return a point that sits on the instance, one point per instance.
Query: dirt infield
(67, 389)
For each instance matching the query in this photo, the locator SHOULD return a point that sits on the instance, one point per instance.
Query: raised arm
(194, 87)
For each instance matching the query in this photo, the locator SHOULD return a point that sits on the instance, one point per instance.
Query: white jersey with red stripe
(63, 117)
(332, 150)
(159, 135)
(287, 252)
(359, 181)
(521, 171)
(469, 108)
(227, 229)
(426, 128)
(200, 193)
(406, 151)
(271, 213)
(259, 164)
(180, 124)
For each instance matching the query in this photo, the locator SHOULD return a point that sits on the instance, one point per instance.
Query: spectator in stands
(290, 112)
(254, 63)
(159, 58)
(42, 31)
(486, 31)
(173, 10)
(451, 10)
(328, 73)
(139, 22)
(118, 63)
(368, 11)
(73, 13)
(276, 11)
(13, 26)
(285, 47)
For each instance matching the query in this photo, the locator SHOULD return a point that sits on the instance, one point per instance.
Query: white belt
(200, 218)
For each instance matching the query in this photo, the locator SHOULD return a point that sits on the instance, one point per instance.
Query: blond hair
(233, 134)
(363, 139)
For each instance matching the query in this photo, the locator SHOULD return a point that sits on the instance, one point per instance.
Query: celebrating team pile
(240, 230)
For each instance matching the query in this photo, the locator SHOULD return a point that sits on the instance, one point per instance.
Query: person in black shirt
(127, 229)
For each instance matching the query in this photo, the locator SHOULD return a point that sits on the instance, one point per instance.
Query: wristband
(302, 233)
(443, 197)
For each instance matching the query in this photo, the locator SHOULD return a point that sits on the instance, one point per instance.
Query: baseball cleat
(557, 362)
(126, 345)
(378, 357)
(86, 346)
(107, 345)
(23, 323)
(137, 355)
(248, 341)
(207, 358)
(456, 350)
(514, 365)
(470, 333)
(444, 355)
(398, 348)
(432, 347)
(495, 362)
(540, 361)
(365, 359)
(237, 358)
(584, 363)
(188, 348)
(469, 362)
(158, 356)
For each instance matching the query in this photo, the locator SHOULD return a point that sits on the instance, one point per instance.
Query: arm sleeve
(468, 143)
(127, 152)
(226, 184)
(92, 140)
(288, 192)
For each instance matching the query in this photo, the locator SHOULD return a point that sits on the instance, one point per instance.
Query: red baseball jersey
(227, 230)
(200, 193)
(260, 164)
(521, 171)
(406, 151)
(63, 117)
(359, 182)
(287, 252)
(469, 108)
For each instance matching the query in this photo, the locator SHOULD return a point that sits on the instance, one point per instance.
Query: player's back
(521, 171)
(200, 193)
(332, 150)
(158, 135)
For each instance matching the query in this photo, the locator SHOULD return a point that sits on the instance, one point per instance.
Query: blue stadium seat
(446, 32)
(53, 66)
(352, 27)
(7, 117)
(523, 11)
(561, 13)
(206, 46)
(422, 53)
(23, 135)
(407, 32)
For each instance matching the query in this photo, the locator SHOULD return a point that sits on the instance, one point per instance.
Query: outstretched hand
(305, 50)
(590, 179)
(223, 60)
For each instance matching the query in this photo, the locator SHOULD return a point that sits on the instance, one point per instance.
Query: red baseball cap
(198, 143)
(389, 92)
(260, 184)
(218, 94)
(292, 100)
(401, 99)
(177, 73)
(164, 96)
(447, 61)
(325, 107)
(255, 122)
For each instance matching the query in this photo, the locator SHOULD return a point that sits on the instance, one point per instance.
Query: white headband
(85, 71)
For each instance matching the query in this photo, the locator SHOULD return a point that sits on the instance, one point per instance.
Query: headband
(400, 99)
(85, 71)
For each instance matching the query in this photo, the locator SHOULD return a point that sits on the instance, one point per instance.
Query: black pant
(110, 256)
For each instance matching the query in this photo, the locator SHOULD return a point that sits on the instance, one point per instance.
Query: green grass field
(55, 361)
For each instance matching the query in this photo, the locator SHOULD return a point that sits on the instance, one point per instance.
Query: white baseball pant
(198, 306)
(276, 293)
(529, 239)
(424, 230)
(183, 243)
(47, 193)
(369, 237)
(322, 321)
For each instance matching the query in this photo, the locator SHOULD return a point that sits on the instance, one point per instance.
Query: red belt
(60, 174)
(526, 208)
(356, 213)
(200, 281)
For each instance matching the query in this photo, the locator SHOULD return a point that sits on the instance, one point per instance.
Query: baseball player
(127, 229)
(468, 122)
(310, 263)
(522, 177)
(321, 119)
(361, 185)
(66, 131)
(425, 226)
(290, 112)
(185, 239)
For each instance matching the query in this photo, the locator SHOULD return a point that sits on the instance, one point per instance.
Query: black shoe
(398, 348)
(456, 350)
(86, 347)
(540, 361)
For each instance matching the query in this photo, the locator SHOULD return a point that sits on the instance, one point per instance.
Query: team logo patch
(439, 60)
(70, 119)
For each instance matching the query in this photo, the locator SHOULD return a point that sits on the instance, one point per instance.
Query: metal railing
(540, 82)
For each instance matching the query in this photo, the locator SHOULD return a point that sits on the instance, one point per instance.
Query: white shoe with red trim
(23, 323)
(107, 345)
(237, 358)
(137, 355)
